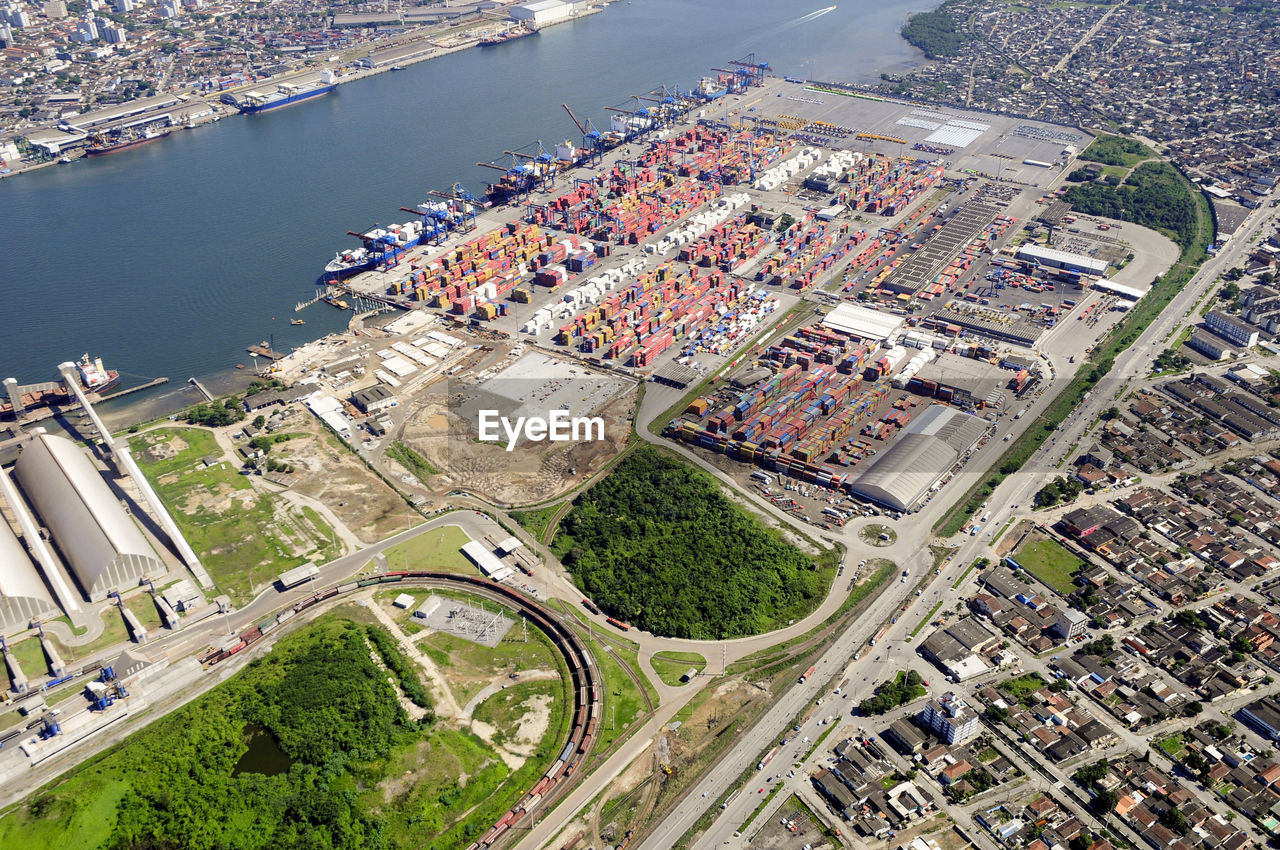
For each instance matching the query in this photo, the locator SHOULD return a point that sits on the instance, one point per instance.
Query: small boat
(397, 67)
(297, 322)
(239, 365)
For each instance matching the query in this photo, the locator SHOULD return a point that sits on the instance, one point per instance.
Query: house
(955, 772)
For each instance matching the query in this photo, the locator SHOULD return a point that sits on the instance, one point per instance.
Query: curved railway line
(585, 682)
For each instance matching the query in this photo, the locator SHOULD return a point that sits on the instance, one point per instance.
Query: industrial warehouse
(927, 449)
(79, 544)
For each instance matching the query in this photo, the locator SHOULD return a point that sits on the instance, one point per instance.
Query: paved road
(1013, 497)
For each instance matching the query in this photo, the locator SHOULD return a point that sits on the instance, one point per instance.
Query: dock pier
(131, 390)
(208, 396)
(327, 292)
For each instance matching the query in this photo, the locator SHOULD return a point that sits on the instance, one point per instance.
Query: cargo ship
(102, 147)
(398, 237)
(94, 377)
(286, 94)
(508, 35)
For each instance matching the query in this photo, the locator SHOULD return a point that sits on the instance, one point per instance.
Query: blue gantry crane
(106, 689)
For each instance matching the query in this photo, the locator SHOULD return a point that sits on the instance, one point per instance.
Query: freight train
(584, 684)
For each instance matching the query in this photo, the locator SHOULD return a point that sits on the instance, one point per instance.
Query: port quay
(146, 120)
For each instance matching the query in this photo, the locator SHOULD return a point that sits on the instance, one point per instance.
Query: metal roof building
(1062, 259)
(23, 596)
(101, 543)
(926, 449)
(863, 322)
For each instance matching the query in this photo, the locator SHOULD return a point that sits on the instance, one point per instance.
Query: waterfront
(170, 259)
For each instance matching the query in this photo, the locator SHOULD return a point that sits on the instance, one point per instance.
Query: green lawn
(30, 656)
(1050, 562)
(144, 608)
(114, 631)
(671, 666)
(537, 521)
(244, 538)
(1116, 150)
(1171, 746)
(438, 549)
(1020, 687)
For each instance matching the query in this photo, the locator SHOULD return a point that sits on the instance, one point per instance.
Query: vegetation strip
(926, 620)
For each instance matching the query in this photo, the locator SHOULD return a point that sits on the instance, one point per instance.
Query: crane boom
(574, 118)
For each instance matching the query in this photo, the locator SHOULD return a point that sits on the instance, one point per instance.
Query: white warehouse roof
(862, 322)
(1062, 259)
(1132, 293)
(540, 5)
(100, 542)
(485, 560)
(23, 596)
(922, 454)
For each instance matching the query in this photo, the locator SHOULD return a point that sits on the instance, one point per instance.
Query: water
(264, 754)
(169, 259)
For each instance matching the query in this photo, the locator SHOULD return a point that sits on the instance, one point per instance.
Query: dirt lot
(533, 472)
(640, 792)
(330, 473)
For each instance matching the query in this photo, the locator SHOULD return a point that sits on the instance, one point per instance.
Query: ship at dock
(381, 248)
(94, 378)
(508, 35)
(285, 94)
(376, 243)
(108, 145)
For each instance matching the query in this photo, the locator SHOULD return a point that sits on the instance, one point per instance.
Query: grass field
(438, 549)
(30, 656)
(1116, 151)
(244, 538)
(1052, 564)
(670, 666)
(114, 631)
(144, 608)
(537, 521)
(1020, 687)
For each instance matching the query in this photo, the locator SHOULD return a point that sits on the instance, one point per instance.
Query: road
(1015, 492)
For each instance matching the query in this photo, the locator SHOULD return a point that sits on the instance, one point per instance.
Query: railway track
(585, 682)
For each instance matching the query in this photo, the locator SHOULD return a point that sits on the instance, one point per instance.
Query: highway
(1015, 493)
(909, 551)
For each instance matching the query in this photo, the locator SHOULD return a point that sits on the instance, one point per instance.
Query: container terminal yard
(850, 283)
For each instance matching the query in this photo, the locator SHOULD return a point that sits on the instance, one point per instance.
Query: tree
(1174, 819)
(259, 421)
(1104, 802)
(656, 543)
(1091, 774)
(1234, 274)
(1192, 709)
(1190, 619)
